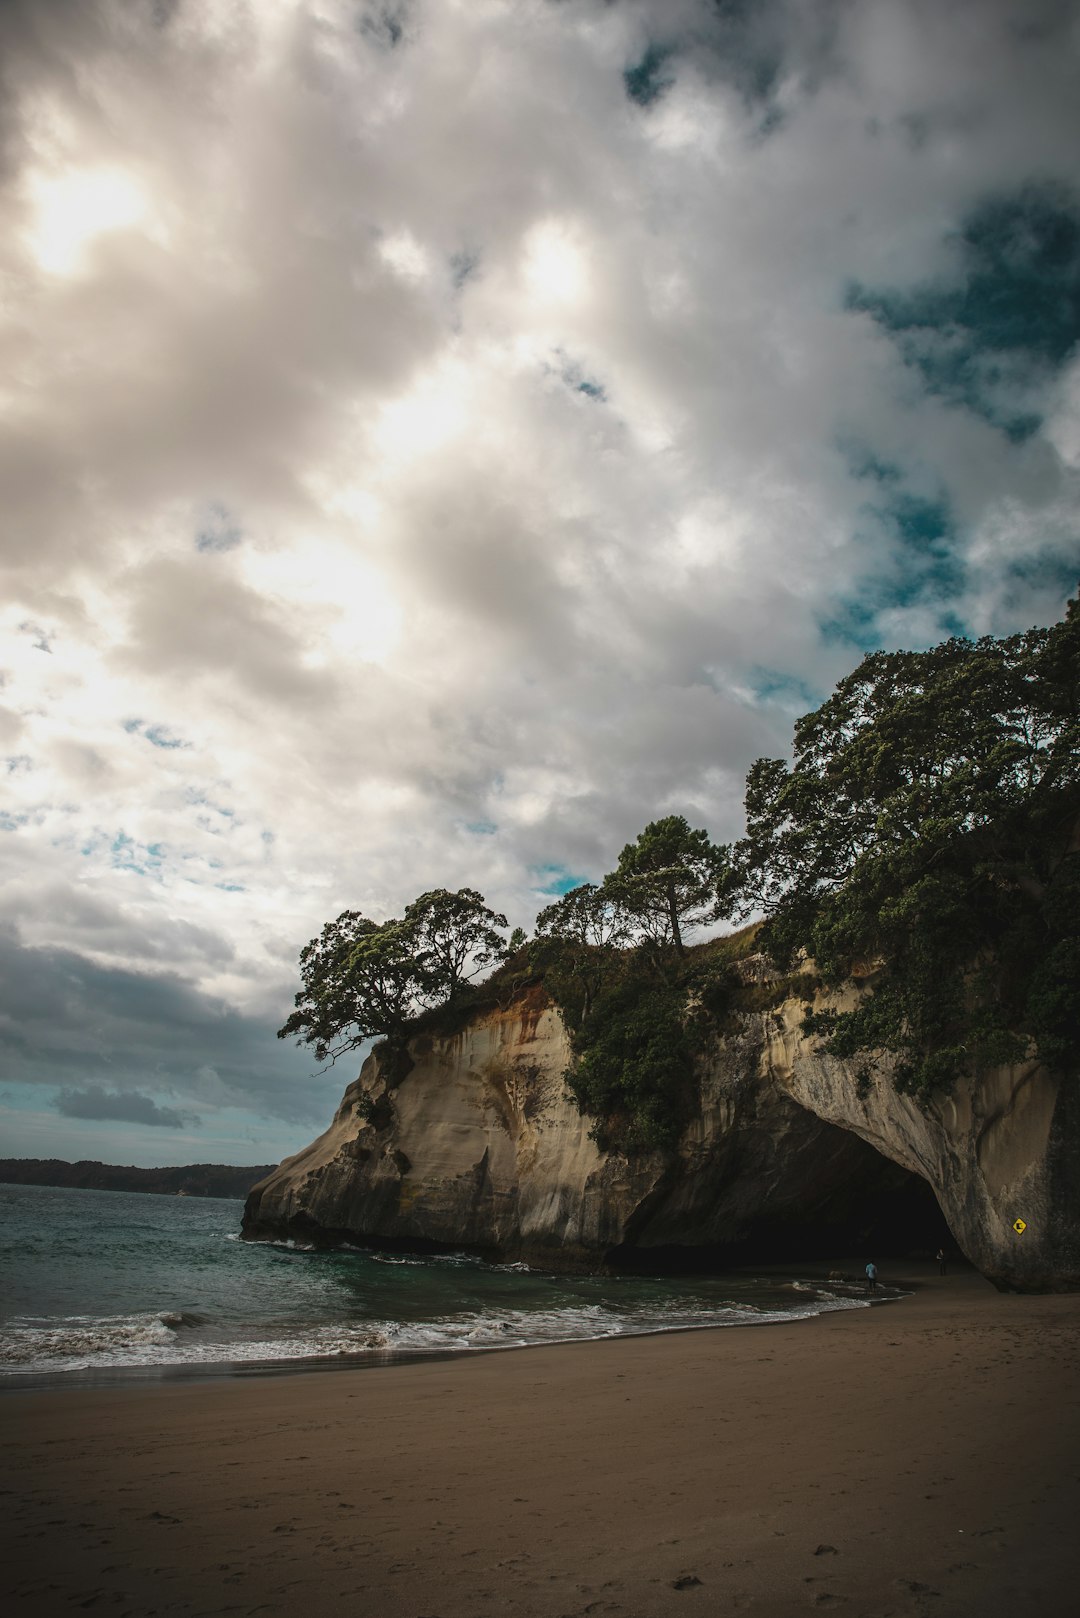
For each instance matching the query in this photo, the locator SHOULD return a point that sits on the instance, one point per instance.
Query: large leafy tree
(361, 980)
(668, 882)
(456, 936)
(364, 979)
(928, 829)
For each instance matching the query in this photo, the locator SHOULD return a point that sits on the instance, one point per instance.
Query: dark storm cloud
(107, 1035)
(119, 1107)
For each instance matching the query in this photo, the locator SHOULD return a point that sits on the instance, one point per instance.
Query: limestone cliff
(480, 1146)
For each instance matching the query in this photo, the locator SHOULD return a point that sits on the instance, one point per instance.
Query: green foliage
(667, 882)
(364, 980)
(455, 936)
(578, 947)
(360, 980)
(633, 1068)
(614, 959)
(635, 1039)
(928, 829)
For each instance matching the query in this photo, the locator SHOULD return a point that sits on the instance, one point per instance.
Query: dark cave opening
(858, 1205)
(896, 1222)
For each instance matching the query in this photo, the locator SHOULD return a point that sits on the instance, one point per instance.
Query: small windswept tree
(669, 882)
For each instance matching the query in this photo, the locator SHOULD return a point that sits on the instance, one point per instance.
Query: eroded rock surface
(480, 1146)
(1000, 1148)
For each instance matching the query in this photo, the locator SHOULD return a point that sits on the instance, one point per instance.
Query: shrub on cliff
(633, 1063)
(614, 959)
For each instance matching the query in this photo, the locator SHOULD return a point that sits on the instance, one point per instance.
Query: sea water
(102, 1280)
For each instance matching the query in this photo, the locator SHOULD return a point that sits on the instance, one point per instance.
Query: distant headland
(191, 1180)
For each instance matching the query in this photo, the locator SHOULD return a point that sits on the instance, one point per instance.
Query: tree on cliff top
(456, 937)
(579, 940)
(668, 882)
(928, 828)
(364, 979)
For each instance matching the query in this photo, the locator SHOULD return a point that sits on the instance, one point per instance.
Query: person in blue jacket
(871, 1276)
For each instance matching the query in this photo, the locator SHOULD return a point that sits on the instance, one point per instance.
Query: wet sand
(918, 1458)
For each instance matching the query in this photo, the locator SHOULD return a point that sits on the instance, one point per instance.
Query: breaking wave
(183, 1337)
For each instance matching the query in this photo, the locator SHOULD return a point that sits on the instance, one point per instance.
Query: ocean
(122, 1283)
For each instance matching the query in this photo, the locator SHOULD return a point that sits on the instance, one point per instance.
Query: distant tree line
(190, 1180)
(927, 829)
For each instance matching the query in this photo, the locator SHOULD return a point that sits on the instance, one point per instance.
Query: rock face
(997, 1150)
(480, 1146)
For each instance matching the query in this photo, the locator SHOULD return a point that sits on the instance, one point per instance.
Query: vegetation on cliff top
(364, 979)
(926, 833)
(929, 827)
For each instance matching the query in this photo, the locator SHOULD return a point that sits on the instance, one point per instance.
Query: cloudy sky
(439, 436)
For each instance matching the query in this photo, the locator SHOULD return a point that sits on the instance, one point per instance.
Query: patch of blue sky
(924, 565)
(19, 1097)
(1050, 574)
(218, 530)
(162, 736)
(863, 462)
(383, 25)
(231, 887)
(650, 75)
(591, 390)
(774, 688)
(555, 880)
(156, 735)
(45, 637)
(984, 337)
(10, 822)
(747, 40)
(852, 622)
(196, 798)
(144, 859)
(481, 828)
(463, 265)
(928, 559)
(855, 620)
(575, 377)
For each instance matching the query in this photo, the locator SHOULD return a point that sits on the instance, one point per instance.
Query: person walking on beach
(941, 1261)
(871, 1276)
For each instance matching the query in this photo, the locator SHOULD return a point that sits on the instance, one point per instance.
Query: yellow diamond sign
(1019, 1225)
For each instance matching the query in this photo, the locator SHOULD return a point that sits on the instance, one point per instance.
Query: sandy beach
(918, 1458)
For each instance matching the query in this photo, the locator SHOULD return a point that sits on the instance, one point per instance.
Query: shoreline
(925, 1463)
(141, 1375)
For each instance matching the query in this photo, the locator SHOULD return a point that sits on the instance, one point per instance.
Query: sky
(438, 437)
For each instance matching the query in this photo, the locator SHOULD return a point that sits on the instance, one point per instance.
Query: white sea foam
(181, 1337)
